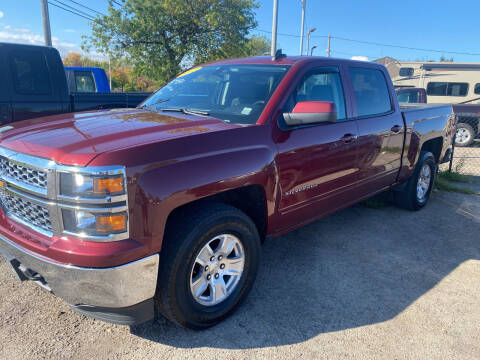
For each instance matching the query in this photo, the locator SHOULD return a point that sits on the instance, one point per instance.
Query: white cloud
(1, 14)
(26, 36)
(70, 30)
(360, 58)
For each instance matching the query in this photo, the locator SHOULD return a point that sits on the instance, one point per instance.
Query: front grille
(27, 211)
(23, 174)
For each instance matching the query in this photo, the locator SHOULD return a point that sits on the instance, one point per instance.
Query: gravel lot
(364, 283)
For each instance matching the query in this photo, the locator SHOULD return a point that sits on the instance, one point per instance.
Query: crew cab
(165, 206)
(34, 84)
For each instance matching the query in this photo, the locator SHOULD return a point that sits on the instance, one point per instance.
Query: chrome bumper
(115, 287)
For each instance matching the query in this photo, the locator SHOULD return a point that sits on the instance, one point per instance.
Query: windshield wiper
(186, 111)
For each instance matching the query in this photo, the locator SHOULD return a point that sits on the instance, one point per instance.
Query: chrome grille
(26, 211)
(23, 174)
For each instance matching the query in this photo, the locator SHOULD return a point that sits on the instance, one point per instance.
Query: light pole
(274, 28)
(308, 38)
(303, 21)
(313, 48)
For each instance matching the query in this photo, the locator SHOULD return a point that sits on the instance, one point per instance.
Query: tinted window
(320, 86)
(477, 88)
(408, 97)
(371, 91)
(84, 81)
(447, 89)
(406, 71)
(30, 72)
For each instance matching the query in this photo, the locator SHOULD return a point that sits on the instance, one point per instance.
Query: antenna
(278, 55)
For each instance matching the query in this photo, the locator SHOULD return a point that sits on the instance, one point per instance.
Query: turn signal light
(112, 223)
(109, 185)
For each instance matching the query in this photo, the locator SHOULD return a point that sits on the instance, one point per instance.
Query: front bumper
(119, 287)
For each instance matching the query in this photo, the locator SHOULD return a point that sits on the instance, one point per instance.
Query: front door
(317, 162)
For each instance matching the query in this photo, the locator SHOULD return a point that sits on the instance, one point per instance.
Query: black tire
(469, 135)
(407, 198)
(187, 233)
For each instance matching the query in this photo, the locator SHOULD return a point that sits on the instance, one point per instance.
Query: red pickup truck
(122, 212)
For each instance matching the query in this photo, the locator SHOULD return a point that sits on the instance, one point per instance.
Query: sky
(434, 25)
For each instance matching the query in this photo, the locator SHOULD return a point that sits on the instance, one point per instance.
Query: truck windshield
(233, 93)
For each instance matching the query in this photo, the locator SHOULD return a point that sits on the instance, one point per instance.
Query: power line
(73, 12)
(74, 9)
(116, 2)
(86, 7)
(382, 44)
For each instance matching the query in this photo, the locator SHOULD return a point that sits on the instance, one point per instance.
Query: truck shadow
(358, 267)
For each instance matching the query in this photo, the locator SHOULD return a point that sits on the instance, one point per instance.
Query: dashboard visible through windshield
(233, 93)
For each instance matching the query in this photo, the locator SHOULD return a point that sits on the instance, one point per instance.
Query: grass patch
(453, 176)
(443, 184)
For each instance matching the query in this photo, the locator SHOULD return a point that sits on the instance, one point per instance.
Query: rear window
(447, 89)
(30, 72)
(84, 81)
(406, 71)
(371, 91)
(408, 97)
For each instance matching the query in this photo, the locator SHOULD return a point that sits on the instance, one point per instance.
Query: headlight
(94, 224)
(91, 186)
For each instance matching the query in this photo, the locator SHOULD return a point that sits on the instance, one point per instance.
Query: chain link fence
(466, 152)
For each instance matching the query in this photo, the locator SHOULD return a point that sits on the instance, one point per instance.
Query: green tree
(157, 35)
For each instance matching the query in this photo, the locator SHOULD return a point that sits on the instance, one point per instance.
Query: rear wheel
(417, 190)
(208, 265)
(465, 135)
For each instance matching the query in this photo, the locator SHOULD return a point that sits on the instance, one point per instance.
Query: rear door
(317, 163)
(32, 89)
(380, 129)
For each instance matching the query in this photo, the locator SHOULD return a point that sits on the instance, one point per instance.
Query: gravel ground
(364, 283)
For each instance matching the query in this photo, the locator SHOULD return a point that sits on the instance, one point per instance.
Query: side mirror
(311, 112)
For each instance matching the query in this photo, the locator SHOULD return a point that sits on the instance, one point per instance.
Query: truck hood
(76, 138)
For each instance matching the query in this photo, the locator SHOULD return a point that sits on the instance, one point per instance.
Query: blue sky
(438, 25)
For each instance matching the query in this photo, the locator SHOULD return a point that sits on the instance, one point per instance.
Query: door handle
(396, 128)
(348, 138)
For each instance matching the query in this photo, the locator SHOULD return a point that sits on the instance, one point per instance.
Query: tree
(157, 35)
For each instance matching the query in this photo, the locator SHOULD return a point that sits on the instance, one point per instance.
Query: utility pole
(308, 38)
(46, 23)
(274, 28)
(328, 47)
(303, 21)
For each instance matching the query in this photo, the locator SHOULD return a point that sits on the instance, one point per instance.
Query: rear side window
(84, 81)
(477, 88)
(371, 91)
(30, 72)
(447, 89)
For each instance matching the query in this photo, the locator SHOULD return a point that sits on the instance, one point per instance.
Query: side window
(84, 81)
(406, 71)
(320, 86)
(447, 89)
(30, 72)
(477, 88)
(371, 91)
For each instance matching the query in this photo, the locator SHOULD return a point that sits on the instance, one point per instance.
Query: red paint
(305, 173)
(314, 107)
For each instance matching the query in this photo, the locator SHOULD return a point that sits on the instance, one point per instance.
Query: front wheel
(208, 265)
(417, 190)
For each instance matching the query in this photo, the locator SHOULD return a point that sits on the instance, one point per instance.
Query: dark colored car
(166, 206)
(467, 115)
(34, 84)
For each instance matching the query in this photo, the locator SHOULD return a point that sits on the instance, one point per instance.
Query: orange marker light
(108, 186)
(112, 223)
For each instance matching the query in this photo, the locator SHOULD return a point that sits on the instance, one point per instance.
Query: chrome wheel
(217, 270)
(462, 136)
(423, 183)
